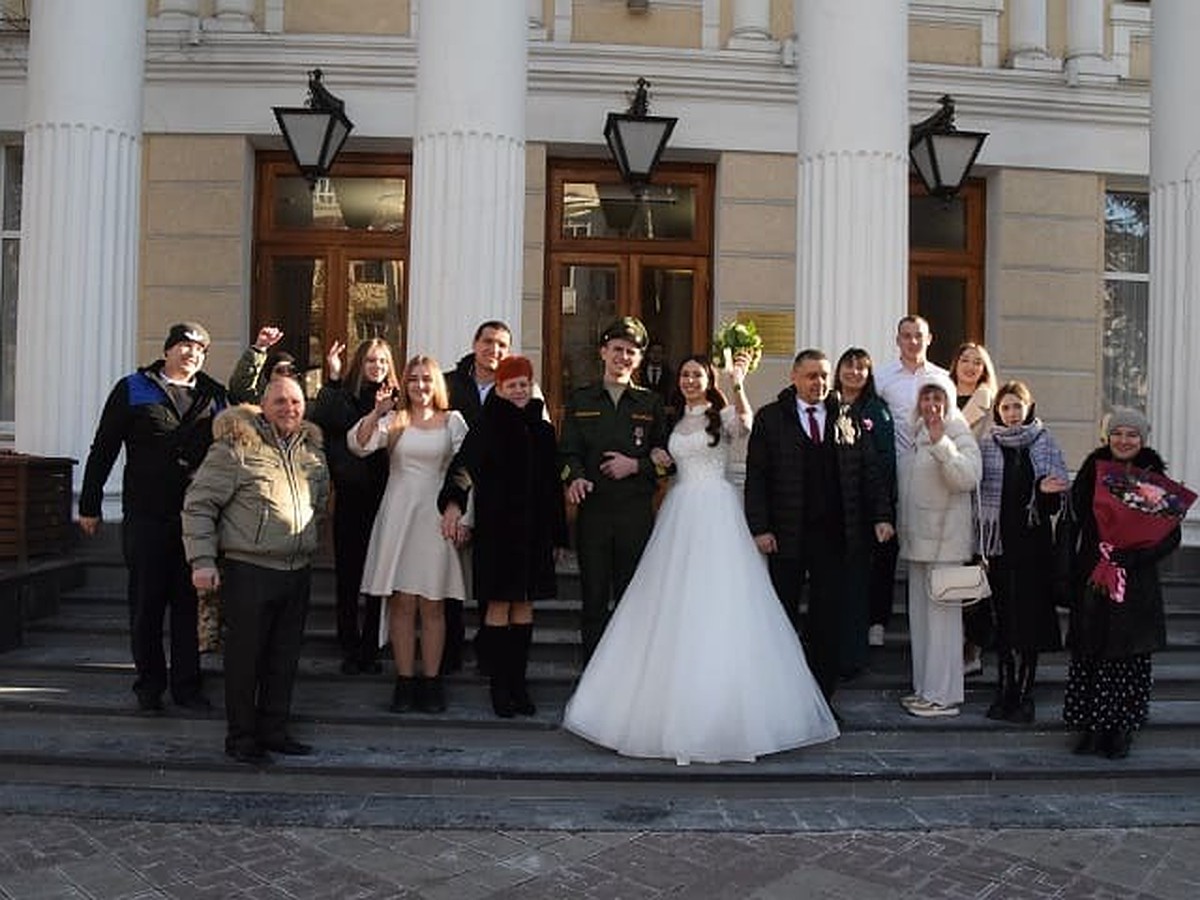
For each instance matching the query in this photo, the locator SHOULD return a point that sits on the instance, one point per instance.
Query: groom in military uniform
(608, 432)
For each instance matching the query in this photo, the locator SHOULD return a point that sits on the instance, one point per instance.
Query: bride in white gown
(699, 662)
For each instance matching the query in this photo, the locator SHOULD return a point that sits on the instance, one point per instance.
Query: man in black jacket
(162, 414)
(813, 493)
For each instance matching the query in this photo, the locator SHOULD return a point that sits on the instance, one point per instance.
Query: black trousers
(264, 619)
(353, 515)
(883, 581)
(160, 580)
(610, 544)
(821, 564)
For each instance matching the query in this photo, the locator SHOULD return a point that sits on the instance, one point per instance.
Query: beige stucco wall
(954, 45)
(611, 22)
(196, 201)
(1045, 297)
(358, 17)
(755, 248)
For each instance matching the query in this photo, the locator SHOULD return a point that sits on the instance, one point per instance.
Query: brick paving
(55, 858)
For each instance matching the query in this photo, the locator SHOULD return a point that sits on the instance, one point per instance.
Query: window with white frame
(10, 257)
(1126, 297)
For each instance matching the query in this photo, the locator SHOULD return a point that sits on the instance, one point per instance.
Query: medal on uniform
(639, 435)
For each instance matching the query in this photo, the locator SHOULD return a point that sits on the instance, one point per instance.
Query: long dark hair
(713, 395)
(856, 354)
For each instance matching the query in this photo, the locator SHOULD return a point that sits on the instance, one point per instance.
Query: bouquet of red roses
(1134, 509)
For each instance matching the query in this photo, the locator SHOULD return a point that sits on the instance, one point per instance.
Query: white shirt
(898, 388)
(803, 406)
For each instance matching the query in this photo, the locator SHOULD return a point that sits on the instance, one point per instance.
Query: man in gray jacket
(255, 502)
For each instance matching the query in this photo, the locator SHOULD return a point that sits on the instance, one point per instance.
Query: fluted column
(77, 316)
(1085, 40)
(1175, 242)
(468, 173)
(852, 221)
(1027, 35)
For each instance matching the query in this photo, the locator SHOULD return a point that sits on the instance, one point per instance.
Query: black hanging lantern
(636, 140)
(315, 132)
(941, 154)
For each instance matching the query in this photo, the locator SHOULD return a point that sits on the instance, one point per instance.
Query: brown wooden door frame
(966, 263)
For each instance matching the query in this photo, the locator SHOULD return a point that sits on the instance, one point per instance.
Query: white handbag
(960, 585)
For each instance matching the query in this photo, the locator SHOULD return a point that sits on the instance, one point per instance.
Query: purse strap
(977, 501)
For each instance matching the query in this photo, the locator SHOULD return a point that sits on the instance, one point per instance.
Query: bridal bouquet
(737, 337)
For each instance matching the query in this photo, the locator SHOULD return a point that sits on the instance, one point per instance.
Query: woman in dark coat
(1108, 684)
(1024, 477)
(871, 584)
(509, 460)
(358, 487)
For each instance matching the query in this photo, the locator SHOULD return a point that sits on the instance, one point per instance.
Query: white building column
(468, 174)
(751, 26)
(1085, 41)
(1027, 35)
(1175, 243)
(852, 203)
(77, 310)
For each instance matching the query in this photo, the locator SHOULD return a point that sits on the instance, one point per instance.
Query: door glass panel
(942, 300)
(601, 210)
(296, 303)
(340, 204)
(936, 224)
(374, 288)
(1126, 336)
(588, 304)
(666, 309)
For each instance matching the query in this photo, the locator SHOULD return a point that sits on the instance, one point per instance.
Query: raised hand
(268, 337)
(333, 360)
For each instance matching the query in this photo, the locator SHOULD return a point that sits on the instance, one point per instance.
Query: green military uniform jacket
(593, 426)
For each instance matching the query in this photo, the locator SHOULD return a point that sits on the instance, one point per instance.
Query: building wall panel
(611, 22)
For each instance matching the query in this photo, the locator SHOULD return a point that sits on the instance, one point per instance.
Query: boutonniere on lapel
(844, 431)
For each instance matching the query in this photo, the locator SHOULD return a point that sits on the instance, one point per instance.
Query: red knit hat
(514, 367)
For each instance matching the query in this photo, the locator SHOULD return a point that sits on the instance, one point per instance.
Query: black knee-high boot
(521, 637)
(1023, 711)
(496, 641)
(1006, 685)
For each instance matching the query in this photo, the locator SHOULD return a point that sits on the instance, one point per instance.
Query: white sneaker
(926, 709)
(875, 636)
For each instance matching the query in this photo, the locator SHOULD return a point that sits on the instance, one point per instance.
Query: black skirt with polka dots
(1108, 694)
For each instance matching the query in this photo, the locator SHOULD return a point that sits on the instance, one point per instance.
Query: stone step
(322, 696)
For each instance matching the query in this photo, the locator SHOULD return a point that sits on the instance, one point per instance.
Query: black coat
(463, 391)
(509, 459)
(1022, 576)
(1099, 627)
(775, 500)
(336, 409)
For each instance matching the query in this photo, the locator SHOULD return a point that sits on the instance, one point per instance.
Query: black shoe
(288, 747)
(150, 703)
(404, 694)
(248, 754)
(431, 696)
(350, 666)
(1022, 713)
(1118, 744)
(196, 703)
(368, 665)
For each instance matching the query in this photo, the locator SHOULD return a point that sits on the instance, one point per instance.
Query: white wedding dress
(699, 662)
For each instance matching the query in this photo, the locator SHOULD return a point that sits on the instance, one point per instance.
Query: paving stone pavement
(55, 857)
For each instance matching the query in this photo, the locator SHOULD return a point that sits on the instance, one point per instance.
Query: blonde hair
(441, 397)
(354, 377)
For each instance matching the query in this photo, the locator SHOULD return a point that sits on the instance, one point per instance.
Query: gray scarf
(1047, 460)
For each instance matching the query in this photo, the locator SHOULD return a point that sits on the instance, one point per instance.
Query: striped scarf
(1044, 454)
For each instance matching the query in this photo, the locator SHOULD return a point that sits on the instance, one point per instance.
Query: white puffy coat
(936, 481)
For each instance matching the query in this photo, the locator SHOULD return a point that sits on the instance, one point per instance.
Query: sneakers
(927, 709)
(875, 636)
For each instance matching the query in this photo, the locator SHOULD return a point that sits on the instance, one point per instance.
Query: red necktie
(814, 430)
